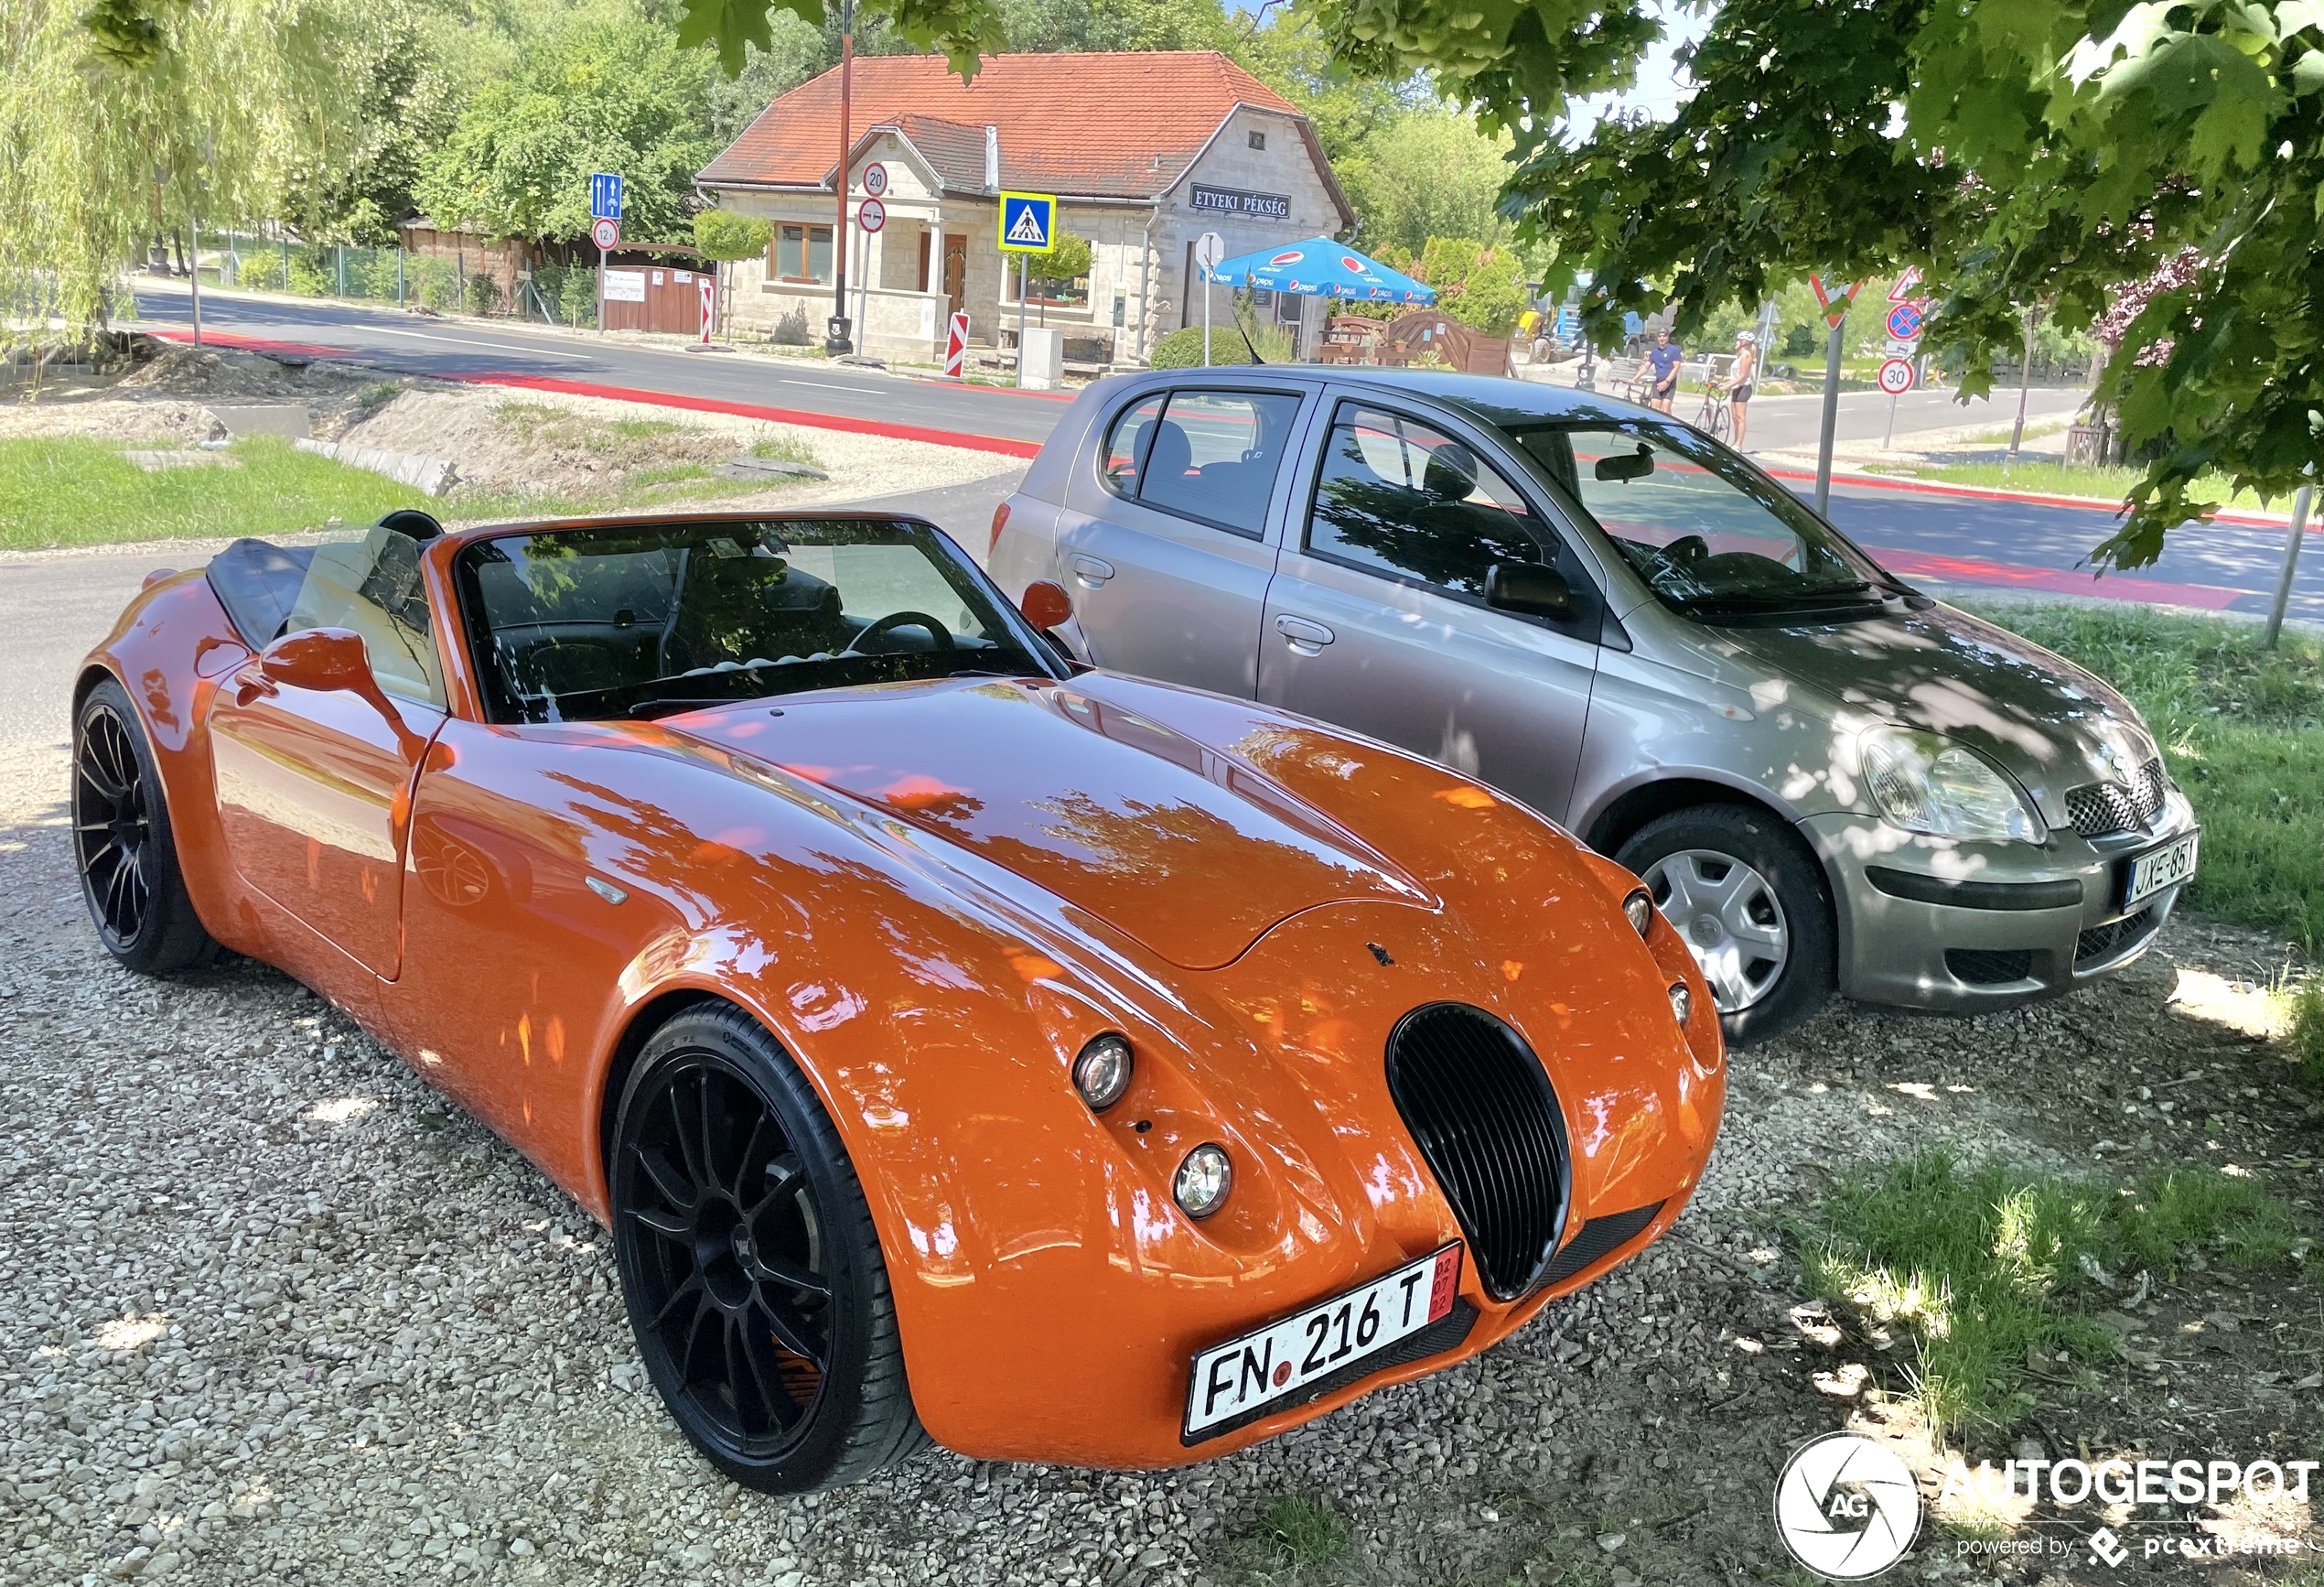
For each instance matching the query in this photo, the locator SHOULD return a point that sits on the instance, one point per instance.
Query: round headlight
(1102, 1071)
(1203, 1181)
(1682, 1004)
(1640, 907)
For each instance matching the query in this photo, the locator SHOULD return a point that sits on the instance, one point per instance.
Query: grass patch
(2108, 485)
(783, 449)
(76, 490)
(1984, 1265)
(2303, 1005)
(1292, 1539)
(2242, 730)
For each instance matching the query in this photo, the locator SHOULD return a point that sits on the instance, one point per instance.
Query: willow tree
(123, 122)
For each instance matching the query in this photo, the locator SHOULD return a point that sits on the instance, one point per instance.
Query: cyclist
(1662, 360)
(1740, 381)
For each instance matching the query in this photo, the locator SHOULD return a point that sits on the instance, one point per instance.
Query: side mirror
(1529, 588)
(320, 659)
(1626, 466)
(1045, 604)
(323, 659)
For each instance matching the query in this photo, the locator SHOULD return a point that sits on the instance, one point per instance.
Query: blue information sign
(1904, 321)
(605, 196)
(1028, 221)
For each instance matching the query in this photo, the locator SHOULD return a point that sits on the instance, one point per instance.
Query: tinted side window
(1215, 455)
(373, 586)
(1126, 448)
(1403, 499)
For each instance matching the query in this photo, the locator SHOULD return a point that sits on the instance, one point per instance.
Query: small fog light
(1203, 1181)
(1102, 1072)
(1681, 1003)
(1640, 907)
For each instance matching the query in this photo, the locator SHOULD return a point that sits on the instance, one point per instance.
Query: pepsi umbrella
(1321, 267)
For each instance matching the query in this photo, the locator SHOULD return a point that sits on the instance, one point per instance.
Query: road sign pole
(836, 342)
(1889, 437)
(1020, 317)
(1206, 319)
(601, 257)
(2025, 382)
(2301, 504)
(1831, 413)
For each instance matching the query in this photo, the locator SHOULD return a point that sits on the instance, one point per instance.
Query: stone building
(1144, 152)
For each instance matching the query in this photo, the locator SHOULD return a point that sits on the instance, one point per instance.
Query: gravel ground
(273, 1310)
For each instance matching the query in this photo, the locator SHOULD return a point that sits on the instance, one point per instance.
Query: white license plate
(2158, 868)
(1232, 1380)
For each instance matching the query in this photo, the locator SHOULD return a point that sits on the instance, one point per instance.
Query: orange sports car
(898, 992)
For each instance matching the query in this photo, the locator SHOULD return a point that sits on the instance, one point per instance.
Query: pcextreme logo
(1846, 1507)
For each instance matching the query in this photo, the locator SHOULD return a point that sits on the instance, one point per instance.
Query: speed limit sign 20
(1896, 376)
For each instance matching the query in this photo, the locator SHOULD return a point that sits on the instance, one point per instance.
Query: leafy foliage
(133, 116)
(352, 176)
(2049, 151)
(1425, 173)
(1066, 259)
(601, 90)
(724, 235)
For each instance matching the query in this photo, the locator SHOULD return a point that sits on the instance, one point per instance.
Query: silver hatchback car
(1826, 779)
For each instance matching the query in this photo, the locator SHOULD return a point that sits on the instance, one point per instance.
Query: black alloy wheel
(750, 1264)
(121, 844)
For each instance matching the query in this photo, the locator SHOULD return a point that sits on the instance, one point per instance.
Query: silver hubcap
(1728, 914)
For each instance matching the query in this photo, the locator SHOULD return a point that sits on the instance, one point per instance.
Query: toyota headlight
(1925, 783)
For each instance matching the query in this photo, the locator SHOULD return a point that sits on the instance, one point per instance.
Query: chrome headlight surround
(1926, 782)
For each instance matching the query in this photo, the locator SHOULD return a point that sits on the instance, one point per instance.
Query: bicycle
(1714, 418)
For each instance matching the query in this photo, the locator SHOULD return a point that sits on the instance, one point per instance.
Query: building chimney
(992, 158)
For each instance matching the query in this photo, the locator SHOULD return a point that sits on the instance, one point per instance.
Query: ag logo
(1846, 1507)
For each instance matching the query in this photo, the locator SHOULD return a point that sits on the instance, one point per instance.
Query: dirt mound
(215, 372)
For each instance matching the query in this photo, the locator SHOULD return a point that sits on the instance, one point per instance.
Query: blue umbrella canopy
(1321, 267)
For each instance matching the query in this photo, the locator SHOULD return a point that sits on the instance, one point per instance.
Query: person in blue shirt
(1663, 360)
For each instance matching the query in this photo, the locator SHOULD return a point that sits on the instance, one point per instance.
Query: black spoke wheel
(750, 1264)
(122, 842)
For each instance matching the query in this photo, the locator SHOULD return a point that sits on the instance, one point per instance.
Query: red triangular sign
(1823, 300)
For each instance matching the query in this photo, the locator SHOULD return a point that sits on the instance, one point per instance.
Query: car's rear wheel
(122, 845)
(749, 1263)
(1750, 900)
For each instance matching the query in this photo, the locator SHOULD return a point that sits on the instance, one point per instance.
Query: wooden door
(956, 272)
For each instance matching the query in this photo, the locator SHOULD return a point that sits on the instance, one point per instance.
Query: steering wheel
(894, 620)
(1685, 549)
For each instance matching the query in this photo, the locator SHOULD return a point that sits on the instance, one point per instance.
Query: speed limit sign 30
(1896, 375)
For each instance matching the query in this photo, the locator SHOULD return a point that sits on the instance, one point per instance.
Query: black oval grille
(1485, 1117)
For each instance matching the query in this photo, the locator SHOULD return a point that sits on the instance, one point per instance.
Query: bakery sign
(1231, 201)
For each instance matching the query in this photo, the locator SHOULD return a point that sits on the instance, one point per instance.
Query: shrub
(484, 294)
(792, 329)
(430, 280)
(723, 234)
(1183, 349)
(310, 273)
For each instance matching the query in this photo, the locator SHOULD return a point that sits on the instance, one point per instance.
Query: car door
(1164, 545)
(1376, 618)
(314, 785)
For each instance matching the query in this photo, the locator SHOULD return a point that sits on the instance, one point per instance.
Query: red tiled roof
(1122, 124)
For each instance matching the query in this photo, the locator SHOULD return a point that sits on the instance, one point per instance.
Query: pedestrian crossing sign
(1027, 222)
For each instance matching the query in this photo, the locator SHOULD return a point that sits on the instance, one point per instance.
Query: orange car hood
(1170, 842)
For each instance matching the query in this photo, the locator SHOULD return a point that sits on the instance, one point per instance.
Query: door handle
(1306, 637)
(1091, 571)
(252, 682)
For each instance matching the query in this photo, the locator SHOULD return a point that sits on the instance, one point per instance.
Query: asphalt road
(468, 349)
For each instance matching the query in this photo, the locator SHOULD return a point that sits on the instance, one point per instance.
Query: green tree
(1481, 286)
(2048, 150)
(121, 122)
(1424, 173)
(353, 178)
(724, 235)
(1067, 259)
(604, 90)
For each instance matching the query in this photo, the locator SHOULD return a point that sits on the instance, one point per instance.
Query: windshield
(1710, 536)
(639, 620)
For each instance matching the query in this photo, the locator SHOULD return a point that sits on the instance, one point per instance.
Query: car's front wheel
(750, 1264)
(122, 843)
(1750, 900)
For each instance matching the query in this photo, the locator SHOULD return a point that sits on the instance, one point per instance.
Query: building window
(802, 252)
(1258, 140)
(1041, 294)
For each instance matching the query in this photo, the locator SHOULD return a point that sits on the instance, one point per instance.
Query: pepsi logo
(1293, 258)
(1349, 262)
